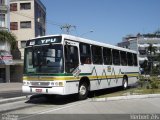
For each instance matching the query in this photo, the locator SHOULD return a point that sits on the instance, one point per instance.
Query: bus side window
(71, 58)
(123, 58)
(130, 59)
(116, 57)
(135, 59)
(85, 53)
(97, 55)
(107, 56)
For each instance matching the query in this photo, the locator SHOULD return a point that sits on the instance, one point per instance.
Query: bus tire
(83, 91)
(125, 83)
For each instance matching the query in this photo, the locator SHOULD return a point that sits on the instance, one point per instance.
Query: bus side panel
(104, 76)
(71, 87)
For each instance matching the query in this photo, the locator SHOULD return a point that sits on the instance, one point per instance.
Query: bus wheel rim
(125, 84)
(82, 90)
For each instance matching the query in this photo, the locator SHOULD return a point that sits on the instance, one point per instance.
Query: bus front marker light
(60, 83)
(56, 84)
(52, 83)
(24, 83)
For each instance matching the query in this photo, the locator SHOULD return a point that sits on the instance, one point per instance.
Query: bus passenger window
(71, 58)
(135, 59)
(107, 56)
(130, 59)
(85, 54)
(97, 55)
(123, 58)
(116, 57)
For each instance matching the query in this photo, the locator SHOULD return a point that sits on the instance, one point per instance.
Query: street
(39, 108)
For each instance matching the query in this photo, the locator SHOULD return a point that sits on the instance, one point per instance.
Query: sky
(110, 20)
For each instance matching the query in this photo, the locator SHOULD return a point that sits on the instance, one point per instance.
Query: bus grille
(40, 83)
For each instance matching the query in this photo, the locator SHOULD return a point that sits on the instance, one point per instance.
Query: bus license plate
(39, 90)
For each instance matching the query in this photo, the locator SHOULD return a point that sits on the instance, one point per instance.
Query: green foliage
(6, 36)
(149, 83)
(155, 83)
(151, 49)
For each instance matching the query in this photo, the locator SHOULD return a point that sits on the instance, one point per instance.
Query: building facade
(4, 14)
(27, 20)
(141, 44)
(5, 56)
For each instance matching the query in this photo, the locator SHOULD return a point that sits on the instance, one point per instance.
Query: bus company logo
(48, 41)
(76, 72)
(109, 68)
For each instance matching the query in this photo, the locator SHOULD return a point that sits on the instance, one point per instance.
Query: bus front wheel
(83, 91)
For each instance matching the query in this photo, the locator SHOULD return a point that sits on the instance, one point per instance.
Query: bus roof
(84, 40)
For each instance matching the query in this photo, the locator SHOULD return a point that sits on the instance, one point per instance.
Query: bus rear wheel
(83, 91)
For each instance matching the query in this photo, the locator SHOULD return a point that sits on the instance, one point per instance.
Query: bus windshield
(44, 59)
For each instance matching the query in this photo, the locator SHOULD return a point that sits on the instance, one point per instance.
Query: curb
(125, 97)
(15, 99)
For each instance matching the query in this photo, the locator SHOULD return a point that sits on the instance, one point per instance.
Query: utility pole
(67, 28)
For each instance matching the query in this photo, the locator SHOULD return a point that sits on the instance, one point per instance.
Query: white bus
(65, 64)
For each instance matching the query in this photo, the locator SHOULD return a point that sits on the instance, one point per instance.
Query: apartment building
(3, 14)
(5, 56)
(27, 20)
(140, 43)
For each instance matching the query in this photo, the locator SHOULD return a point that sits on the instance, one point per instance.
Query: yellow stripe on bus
(29, 78)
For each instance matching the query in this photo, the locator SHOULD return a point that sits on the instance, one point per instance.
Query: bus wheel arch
(125, 82)
(84, 88)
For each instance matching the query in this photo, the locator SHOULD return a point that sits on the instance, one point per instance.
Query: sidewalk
(10, 87)
(11, 92)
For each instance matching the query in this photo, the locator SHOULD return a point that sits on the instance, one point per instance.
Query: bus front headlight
(24, 83)
(58, 84)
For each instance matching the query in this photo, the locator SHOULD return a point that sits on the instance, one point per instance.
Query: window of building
(25, 6)
(123, 58)
(97, 55)
(14, 26)
(130, 59)
(25, 24)
(13, 7)
(85, 53)
(2, 20)
(2, 2)
(107, 56)
(116, 57)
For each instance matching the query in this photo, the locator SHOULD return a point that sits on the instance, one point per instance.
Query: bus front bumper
(40, 90)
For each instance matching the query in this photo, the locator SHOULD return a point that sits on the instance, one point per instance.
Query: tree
(6, 36)
(151, 51)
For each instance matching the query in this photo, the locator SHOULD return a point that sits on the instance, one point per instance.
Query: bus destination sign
(46, 40)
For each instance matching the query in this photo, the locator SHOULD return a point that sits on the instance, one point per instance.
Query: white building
(140, 43)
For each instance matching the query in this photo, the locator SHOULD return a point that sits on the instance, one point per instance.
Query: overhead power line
(67, 28)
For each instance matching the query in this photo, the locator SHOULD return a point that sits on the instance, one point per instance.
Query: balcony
(3, 8)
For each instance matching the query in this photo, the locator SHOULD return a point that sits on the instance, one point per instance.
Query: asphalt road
(40, 108)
